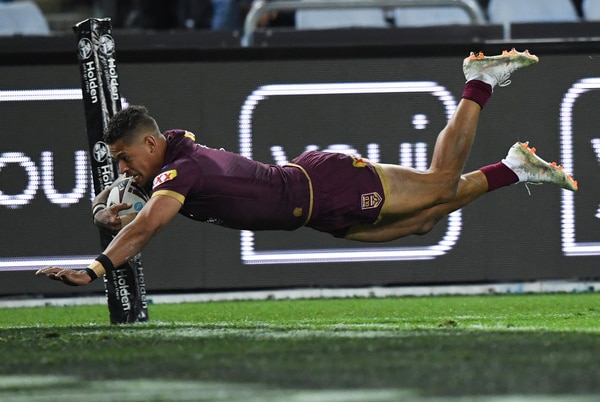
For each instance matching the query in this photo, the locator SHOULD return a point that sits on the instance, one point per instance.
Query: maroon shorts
(346, 190)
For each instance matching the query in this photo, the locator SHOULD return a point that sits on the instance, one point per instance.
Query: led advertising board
(387, 109)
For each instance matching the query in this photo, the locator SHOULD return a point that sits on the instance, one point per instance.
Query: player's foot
(530, 168)
(496, 70)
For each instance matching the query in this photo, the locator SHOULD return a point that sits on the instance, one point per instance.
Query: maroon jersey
(228, 189)
(326, 191)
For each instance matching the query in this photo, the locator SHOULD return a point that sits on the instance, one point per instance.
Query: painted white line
(296, 294)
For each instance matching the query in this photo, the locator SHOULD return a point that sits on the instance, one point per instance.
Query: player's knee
(425, 228)
(430, 220)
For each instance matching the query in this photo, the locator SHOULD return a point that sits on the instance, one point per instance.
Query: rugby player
(346, 196)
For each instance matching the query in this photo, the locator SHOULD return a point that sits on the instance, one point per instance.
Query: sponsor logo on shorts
(358, 162)
(370, 200)
(215, 221)
(164, 177)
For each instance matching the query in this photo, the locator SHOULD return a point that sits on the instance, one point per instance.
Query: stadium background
(505, 236)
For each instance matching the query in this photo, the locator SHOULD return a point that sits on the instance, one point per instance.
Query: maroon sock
(477, 91)
(499, 175)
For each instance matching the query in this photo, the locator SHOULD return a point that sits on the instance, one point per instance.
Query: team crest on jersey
(358, 161)
(163, 177)
(370, 200)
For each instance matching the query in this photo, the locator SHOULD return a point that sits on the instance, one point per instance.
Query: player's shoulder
(179, 134)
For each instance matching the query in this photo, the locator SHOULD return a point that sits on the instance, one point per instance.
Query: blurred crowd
(218, 15)
(210, 14)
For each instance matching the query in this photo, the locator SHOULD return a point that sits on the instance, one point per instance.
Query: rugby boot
(496, 70)
(532, 169)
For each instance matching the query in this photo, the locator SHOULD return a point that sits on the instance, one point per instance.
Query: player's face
(137, 160)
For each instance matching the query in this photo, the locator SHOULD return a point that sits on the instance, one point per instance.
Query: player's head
(129, 124)
(136, 143)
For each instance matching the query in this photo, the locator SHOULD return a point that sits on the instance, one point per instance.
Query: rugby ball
(127, 191)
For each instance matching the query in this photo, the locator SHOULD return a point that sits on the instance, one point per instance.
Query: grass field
(457, 348)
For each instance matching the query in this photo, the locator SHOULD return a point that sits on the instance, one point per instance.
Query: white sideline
(312, 293)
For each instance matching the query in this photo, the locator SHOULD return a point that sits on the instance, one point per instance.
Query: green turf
(511, 347)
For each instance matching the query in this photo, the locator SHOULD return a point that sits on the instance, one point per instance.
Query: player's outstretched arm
(129, 242)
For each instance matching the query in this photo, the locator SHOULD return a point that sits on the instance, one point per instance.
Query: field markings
(262, 330)
(549, 286)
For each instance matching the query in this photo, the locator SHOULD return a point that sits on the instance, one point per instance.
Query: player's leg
(410, 190)
(521, 165)
(470, 187)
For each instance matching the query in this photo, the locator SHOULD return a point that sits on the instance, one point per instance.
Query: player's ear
(150, 142)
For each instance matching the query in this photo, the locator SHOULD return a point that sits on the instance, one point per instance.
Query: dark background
(505, 236)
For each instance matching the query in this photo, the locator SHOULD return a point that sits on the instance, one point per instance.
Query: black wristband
(97, 208)
(91, 273)
(106, 263)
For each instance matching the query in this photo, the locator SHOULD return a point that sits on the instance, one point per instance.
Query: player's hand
(72, 277)
(109, 218)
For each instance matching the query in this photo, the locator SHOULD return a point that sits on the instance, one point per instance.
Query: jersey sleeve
(174, 181)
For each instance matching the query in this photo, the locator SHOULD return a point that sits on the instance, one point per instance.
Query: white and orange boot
(496, 70)
(532, 169)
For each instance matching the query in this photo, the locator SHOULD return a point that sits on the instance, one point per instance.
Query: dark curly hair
(125, 123)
